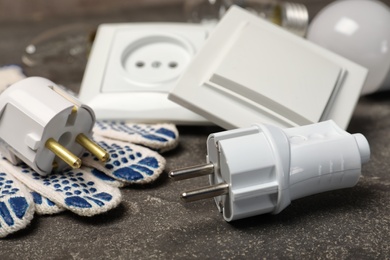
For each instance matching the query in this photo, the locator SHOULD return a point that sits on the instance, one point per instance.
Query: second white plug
(261, 169)
(44, 126)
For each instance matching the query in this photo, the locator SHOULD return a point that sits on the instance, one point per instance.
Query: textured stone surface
(151, 222)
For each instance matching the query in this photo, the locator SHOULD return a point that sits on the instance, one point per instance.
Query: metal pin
(95, 149)
(54, 165)
(205, 192)
(191, 172)
(63, 153)
(74, 109)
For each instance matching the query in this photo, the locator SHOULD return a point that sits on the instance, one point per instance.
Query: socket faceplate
(133, 67)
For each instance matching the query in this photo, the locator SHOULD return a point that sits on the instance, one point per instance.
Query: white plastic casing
(132, 68)
(267, 167)
(34, 110)
(251, 70)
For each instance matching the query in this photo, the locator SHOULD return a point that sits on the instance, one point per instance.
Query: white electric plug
(45, 127)
(260, 169)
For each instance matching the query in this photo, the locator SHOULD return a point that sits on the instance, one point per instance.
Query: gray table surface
(151, 222)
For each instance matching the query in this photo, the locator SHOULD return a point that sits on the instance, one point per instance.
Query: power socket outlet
(133, 67)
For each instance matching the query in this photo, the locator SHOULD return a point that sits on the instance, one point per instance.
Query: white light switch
(251, 71)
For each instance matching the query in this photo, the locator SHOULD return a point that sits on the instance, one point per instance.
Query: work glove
(94, 188)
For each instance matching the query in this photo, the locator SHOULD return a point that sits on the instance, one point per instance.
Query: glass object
(203, 11)
(291, 16)
(60, 54)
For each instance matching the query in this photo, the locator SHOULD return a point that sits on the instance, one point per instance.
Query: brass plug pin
(63, 153)
(91, 146)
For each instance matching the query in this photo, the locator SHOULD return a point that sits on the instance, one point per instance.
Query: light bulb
(293, 17)
(358, 30)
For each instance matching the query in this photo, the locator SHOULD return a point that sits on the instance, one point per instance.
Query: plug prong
(91, 146)
(191, 172)
(63, 153)
(205, 192)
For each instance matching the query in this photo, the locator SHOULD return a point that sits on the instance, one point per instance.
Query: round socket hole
(173, 64)
(139, 64)
(156, 64)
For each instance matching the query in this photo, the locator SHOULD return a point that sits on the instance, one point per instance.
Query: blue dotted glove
(132, 163)
(92, 189)
(16, 204)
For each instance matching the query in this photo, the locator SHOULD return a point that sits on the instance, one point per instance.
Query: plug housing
(260, 169)
(44, 126)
